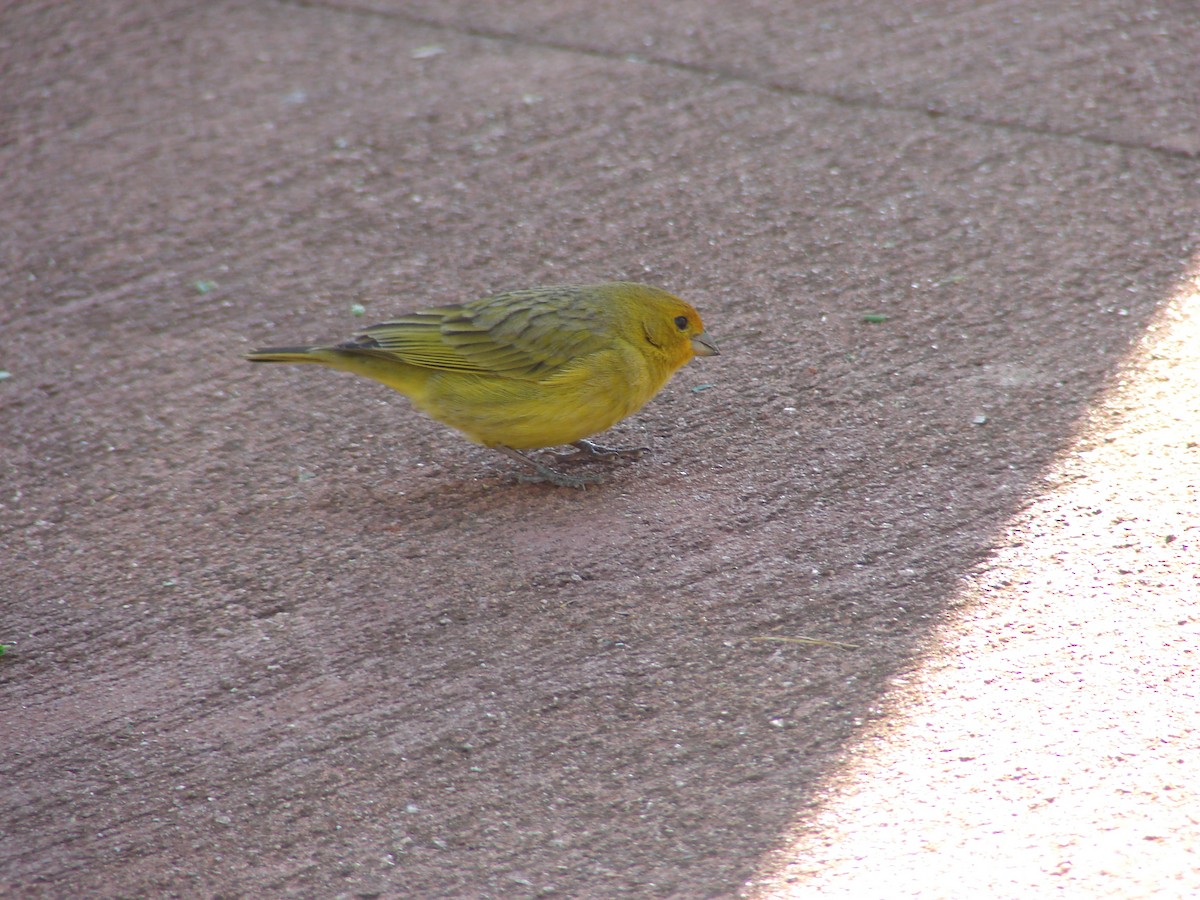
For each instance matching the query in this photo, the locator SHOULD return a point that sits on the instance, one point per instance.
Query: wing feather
(518, 334)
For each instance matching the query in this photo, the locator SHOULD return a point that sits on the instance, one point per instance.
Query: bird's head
(669, 324)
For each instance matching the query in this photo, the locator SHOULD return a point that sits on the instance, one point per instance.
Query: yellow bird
(528, 369)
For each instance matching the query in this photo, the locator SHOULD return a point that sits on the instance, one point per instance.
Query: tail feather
(370, 363)
(287, 355)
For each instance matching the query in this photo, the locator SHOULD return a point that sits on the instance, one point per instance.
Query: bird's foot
(546, 475)
(587, 450)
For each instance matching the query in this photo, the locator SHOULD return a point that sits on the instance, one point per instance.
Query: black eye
(681, 322)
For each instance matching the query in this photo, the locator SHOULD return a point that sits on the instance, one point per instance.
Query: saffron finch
(528, 369)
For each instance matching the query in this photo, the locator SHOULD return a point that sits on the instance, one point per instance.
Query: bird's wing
(521, 334)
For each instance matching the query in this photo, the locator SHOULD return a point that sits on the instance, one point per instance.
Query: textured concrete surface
(271, 632)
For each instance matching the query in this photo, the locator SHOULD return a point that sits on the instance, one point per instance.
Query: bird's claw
(545, 474)
(587, 450)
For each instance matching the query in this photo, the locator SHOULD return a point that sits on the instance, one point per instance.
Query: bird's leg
(544, 472)
(586, 450)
